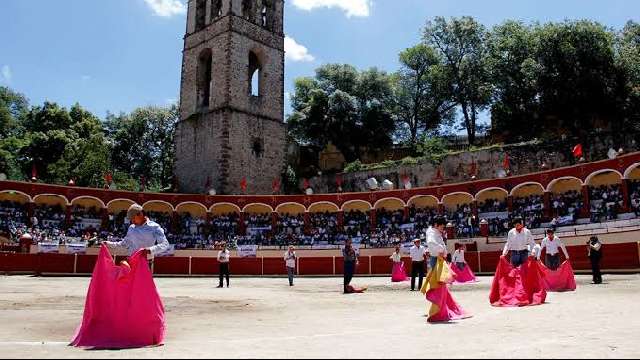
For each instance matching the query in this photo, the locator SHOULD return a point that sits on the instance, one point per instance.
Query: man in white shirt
(290, 260)
(435, 241)
(418, 255)
(519, 241)
(553, 244)
(224, 256)
(458, 257)
(142, 234)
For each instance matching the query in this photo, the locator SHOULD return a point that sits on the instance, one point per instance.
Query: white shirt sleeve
(564, 249)
(507, 246)
(162, 244)
(544, 245)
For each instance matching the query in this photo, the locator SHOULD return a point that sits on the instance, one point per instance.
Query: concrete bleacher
(494, 215)
(588, 228)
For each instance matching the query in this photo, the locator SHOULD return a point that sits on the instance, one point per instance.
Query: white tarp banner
(245, 251)
(48, 248)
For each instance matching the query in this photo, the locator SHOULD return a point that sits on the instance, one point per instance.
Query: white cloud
(296, 52)
(361, 8)
(86, 77)
(167, 8)
(5, 74)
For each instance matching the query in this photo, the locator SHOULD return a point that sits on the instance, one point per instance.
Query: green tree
(13, 109)
(628, 61)
(461, 42)
(351, 109)
(578, 78)
(512, 48)
(143, 144)
(423, 93)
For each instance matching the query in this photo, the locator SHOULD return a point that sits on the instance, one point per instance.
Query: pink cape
(560, 280)
(398, 275)
(123, 309)
(522, 286)
(443, 307)
(463, 276)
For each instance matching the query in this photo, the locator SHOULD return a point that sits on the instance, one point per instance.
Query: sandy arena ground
(264, 318)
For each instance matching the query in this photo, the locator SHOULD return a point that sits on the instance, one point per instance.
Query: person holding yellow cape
(443, 307)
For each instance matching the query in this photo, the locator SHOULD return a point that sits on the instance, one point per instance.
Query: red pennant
(207, 185)
(243, 184)
(108, 178)
(34, 172)
(339, 180)
(306, 184)
(506, 164)
(276, 185)
(473, 169)
(439, 176)
(577, 151)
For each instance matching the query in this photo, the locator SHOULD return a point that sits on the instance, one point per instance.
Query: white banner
(245, 251)
(324, 247)
(78, 248)
(48, 248)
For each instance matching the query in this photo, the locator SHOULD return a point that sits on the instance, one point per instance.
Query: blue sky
(115, 55)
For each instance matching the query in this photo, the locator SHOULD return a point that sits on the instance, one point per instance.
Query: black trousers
(349, 270)
(224, 272)
(552, 261)
(417, 270)
(595, 268)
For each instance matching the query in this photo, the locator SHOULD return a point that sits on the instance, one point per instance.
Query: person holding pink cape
(462, 271)
(557, 277)
(398, 274)
(123, 309)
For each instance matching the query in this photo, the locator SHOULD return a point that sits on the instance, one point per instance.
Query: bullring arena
(42, 296)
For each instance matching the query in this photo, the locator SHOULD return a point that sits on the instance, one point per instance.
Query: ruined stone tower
(232, 97)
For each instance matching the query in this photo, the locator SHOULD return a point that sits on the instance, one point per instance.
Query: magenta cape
(123, 309)
(522, 286)
(443, 307)
(560, 280)
(464, 276)
(398, 274)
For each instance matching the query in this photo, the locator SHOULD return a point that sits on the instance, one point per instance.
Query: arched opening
(216, 9)
(192, 227)
(86, 214)
(390, 219)
(458, 211)
(356, 218)
(201, 14)
(255, 72)
(50, 211)
(528, 203)
(290, 223)
(566, 198)
(247, 10)
(258, 222)
(605, 195)
(492, 201)
(423, 210)
(205, 80)
(118, 222)
(159, 212)
(323, 217)
(225, 221)
(13, 212)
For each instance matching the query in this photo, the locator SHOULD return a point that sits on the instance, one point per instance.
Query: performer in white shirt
(142, 234)
(553, 244)
(224, 257)
(435, 241)
(290, 260)
(519, 242)
(418, 254)
(458, 257)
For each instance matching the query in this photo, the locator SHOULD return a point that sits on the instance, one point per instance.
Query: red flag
(243, 184)
(506, 164)
(34, 172)
(207, 185)
(276, 185)
(339, 180)
(473, 169)
(108, 178)
(439, 176)
(306, 184)
(577, 151)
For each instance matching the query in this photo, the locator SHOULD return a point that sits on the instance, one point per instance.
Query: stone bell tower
(232, 97)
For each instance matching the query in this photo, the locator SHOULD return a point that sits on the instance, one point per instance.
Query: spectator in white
(142, 234)
(224, 256)
(553, 244)
(418, 255)
(519, 241)
(435, 241)
(290, 260)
